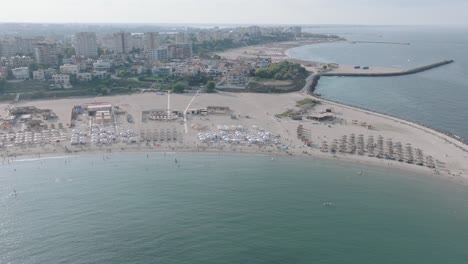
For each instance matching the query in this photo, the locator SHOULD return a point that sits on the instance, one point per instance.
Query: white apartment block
(21, 73)
(69, 69)
(102, 65)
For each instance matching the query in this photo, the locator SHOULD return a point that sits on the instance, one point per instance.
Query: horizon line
(216, 23)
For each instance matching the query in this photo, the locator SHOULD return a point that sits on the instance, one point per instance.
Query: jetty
(349, 71)
(381, 72)
(381, 42)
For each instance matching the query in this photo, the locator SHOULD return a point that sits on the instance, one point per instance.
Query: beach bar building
(217, 110)
(101, 111)
(321, 117)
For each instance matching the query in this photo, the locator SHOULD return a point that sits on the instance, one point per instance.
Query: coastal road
(185, 112)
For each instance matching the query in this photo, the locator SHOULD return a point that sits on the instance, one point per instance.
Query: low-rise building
(48, 73)
(38, 75)
(62, 80)
(236, 79)
(69, 69)
(137, 69)
(102, 75)
(162, 71)
(84, 76)
(21, 73)
(3, 72)
(186, 70)
(102, 65)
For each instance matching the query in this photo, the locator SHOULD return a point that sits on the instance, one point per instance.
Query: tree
(178, 87)
(210, 87)
(69, 51)
(3, 85)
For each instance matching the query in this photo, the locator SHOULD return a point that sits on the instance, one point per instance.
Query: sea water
(437, 98)
(212, 208)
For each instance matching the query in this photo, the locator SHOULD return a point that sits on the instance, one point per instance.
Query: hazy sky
(420, 12)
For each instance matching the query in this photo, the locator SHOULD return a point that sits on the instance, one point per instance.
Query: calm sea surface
(437, 98)
(226, 209)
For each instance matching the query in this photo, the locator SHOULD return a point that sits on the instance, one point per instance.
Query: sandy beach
(279, 51)
(276, 51)
(259, 110)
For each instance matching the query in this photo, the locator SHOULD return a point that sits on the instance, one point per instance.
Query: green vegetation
(303, 106)
(167, 82)
(30, 90)
(307, 102)
(3, 86)
(178, 87)
(284, 70)
(210, 87)
(287, 113)
(279, 77)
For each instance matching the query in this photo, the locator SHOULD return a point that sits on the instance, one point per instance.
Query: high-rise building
(85, 44)
(7, 49)
(179, 51)
(181, 38)
(203, 36)
(151, 41)
(122, 42)
(160, 54)
(137, 41)
(45, 53)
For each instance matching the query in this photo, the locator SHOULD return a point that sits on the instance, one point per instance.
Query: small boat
(327, 204)
(359, 172)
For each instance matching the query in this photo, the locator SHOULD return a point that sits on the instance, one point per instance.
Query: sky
(354, 12)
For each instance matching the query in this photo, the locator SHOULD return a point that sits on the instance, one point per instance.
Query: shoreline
(357, 164)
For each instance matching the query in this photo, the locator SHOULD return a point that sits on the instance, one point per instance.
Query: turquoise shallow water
(436, 98)
(226, 209)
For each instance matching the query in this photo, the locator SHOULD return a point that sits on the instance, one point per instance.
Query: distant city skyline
(362, 12)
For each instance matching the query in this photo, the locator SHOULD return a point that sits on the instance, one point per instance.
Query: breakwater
(316, 76)
(382, 42)
(388, 74)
